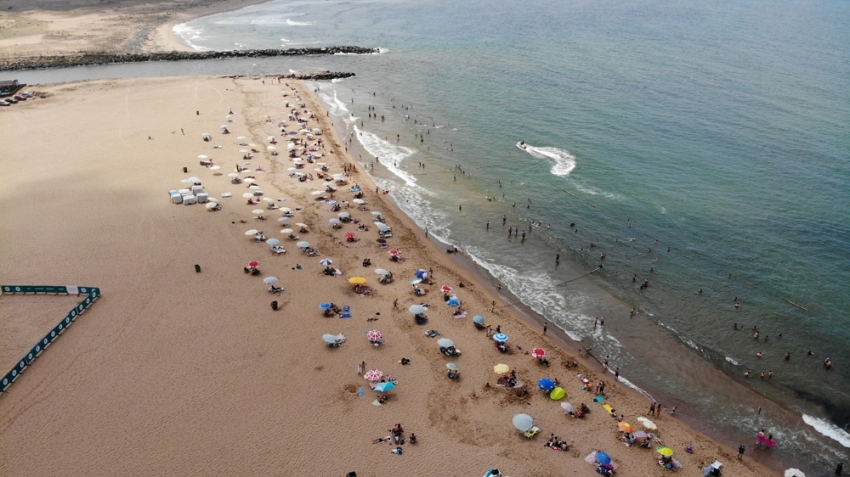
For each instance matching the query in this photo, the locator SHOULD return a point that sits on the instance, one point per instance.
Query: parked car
(3, 102)
(26, 94)
(19, 97)
(11, 100)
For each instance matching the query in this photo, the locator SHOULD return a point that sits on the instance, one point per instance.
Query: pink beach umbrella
(538, 353)
(373, 375)
(374, 335)
(446, 289)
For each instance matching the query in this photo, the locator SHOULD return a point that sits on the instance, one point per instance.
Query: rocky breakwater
(103, 58)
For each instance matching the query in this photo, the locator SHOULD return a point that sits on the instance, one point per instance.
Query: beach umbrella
(394, 252)
(421, 273)
(557, 394)
(546, 384)
(416, 281)
(359, 201)
(376, 213)
(253, 264)
(286, 231)
(327, 184)
(568, 407)
(212, 199)
(794, 473)
(249, 180)
(381, 271)
(500, 337)
(325, 262)
(283, 219)
(233, 175)
(317, 192)
(374, 335)
(203, 157)
(253, 187)
(452, 366)
(501, 369)
(257, 211)
(211, 205)
(303, 244)
(252, 232)
(270, 138)
(453, 302)
(240, 137)
(523, 422)
(639, 434)
(222, 127)
(446, 289)
(417, 309)
(244, 151)
(478, 319)
(356, 280)
(343, 215)
(538, 353)
(384, 387)
(329, 338)
(664, 450)
(349, 235)
(268, 199)
(285, 210)
(299, 224)
(626, 427)
(332, 202)
(248, 195)
(603, 458)
(270, 280)
(373, 375)
(215, 168)
(325, 306)
(647, 423)
(445, 342)
(272, 242)
(271, 148)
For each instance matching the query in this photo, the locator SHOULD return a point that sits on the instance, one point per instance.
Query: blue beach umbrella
(453, 302)
(501, 337)
(421, 273)
(478, 319)
(603, 458)
(325, 262)
(272, 242)
(384, 387)
(546, 384)
(325, 306)
(329, 338)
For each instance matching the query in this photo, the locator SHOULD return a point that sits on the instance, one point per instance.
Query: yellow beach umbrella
(665, 451)
(356, 280)
(501, 368)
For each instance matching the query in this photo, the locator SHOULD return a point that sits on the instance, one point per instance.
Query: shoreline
(473, 273)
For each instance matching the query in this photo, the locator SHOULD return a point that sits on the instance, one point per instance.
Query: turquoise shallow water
(719, 130)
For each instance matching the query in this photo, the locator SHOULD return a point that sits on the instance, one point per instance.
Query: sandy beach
(174, 371)
(43, 27)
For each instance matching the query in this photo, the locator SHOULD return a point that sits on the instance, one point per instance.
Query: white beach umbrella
(211, 205)
(359, 201)
(244, 151)
(203, 157)
(251, 232)
(272, 242)
(271, 148)
(249, 180)
(794, 473)
(270, 280)
(254, 187)
(240, 137)
(215, 168)
(247, 195)
(286, 231)
(283, 219)
(257, 211)
(233, 175)
(301, 225)
(268, 199)
(285, 210)
(317, 192)
(212, 199)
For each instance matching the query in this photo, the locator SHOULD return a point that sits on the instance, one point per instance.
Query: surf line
(580, 277)
(798, 306)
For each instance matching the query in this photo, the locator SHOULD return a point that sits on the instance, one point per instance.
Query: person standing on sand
(658, 410)
(741, 450)
(652, 409)
(545, 328)
(360, 367)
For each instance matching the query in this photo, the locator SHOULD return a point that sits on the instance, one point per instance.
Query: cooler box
(188, 199)
(176, 197)
(184, 191)
(197, 189)
(202, 198)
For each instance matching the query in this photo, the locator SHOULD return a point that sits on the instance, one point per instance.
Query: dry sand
(176, 372)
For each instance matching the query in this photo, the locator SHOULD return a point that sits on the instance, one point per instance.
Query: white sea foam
(562, 161)
(389, 154)
(636, 388)
(594, 191)
(285, 40)
(731, 360)
(294, 23)
(420, 209)
(828, 429)
(337, 80)
(188, 33)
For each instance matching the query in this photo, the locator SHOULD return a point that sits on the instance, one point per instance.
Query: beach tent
(557, 394)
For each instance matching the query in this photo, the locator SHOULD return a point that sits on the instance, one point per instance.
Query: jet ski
(521, 145)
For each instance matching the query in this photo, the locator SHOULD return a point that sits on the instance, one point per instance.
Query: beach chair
(346, 312)
(531, 432)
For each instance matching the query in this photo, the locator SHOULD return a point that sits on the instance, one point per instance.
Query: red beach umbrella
(446, 289)
(349, 235)
(253, 264)
(394, 252)
(538, 353)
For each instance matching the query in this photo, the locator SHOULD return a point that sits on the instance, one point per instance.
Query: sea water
(718, 130)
